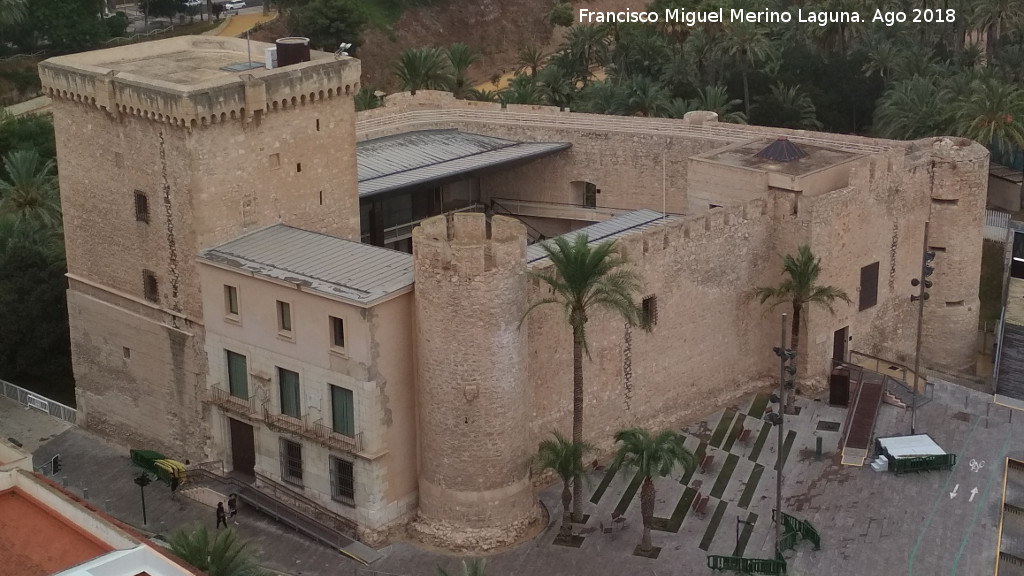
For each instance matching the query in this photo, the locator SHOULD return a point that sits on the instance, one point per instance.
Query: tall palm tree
(748, 45)
(646, 97)
(460, 57)
(225, 555)
(910, 109)
(530, 58)
(12, 12)
(30, 190)
(589, 46)
(716, 99)
(422, 69)
(992, 115)
(522, 89)
(787, 107)
(800, 288)
(565, 459)
(472, 568)
(586, 278)
(993, 15)
(654, 456)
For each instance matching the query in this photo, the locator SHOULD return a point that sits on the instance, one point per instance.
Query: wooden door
(243, 447)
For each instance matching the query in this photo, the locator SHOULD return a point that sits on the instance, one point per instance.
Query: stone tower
(958, 184)
(471, 293)
(166, 148)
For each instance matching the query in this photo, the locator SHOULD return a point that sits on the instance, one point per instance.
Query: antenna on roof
(342, 49)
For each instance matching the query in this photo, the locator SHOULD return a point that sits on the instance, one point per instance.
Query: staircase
(880, 464)
(285, 506)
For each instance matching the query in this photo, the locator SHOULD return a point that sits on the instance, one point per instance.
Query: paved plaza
(870, 523)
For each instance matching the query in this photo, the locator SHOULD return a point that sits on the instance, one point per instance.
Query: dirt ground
(497, 29)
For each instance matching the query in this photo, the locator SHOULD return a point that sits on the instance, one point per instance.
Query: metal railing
(537, 235)
(403, 231)
(41, 403)
(747, 565)
(922, 463)
(328, 437)
(232, 403)
(304, 506)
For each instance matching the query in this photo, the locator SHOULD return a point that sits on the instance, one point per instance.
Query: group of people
(222, 516)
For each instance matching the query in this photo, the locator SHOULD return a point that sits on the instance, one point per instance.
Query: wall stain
(172, 245)
(374, 373)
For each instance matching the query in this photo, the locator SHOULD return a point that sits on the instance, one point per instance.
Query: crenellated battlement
(469, 245)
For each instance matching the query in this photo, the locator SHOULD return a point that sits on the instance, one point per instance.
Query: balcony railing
(314, 430)
(326, 436)
(231, 403)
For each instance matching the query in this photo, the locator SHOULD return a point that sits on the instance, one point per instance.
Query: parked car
(193, 3)
(234, 4)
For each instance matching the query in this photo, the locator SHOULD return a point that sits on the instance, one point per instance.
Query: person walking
(221, 516)
(233, 506)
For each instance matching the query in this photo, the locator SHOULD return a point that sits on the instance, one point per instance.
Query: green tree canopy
(328, 23)
(224, 555)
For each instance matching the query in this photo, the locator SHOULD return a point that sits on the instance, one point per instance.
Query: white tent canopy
(910, 446)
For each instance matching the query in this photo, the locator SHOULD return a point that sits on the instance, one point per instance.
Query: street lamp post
(781, 419)
(143, 480)
(926, 257)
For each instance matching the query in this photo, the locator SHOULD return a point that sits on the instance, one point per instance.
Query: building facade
(233, 315)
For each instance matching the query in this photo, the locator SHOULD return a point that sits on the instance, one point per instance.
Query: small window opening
(141, 207)
(649, 308)
(945, 202)
(317, 124)
(284, 316)
(298, 166)
(955, 303)
(150, 286)
(321, 197)
(868, 286)
(231, 300)
(127, 352)
(337, 332)
(937, 248)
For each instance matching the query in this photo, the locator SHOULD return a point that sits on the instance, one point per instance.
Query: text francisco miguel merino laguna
(692, 18)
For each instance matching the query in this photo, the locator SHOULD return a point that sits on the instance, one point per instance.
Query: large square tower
(165, 148)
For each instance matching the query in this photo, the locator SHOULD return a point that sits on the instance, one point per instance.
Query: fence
(747, 565)
(41, 403)
(923, 463)
(996, 225)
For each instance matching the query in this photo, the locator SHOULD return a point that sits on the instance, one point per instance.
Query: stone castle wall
(204, 184)
(474, 487)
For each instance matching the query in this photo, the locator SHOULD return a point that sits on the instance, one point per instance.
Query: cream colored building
(424, 406)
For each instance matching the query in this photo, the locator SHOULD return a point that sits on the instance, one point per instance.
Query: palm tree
(586, 278)
(589, 46)
(910, 109)
(652, 456)
(994, 14)
(522, 89)
(30, 192)
(472, 568)
(366, 99)
(422, 69)
(226, 555)
(460, 57)
(12, 12)
(565, 459)
(530, 58)
(555, 85)
(993, 115)
(748, 44)
(716, 99)
(646, 97)
(800, 288)
(787, 107)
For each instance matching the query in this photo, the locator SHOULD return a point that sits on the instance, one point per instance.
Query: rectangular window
(141, 207)
(238, 375)
(337, 332)
(231, 300)
(343, 485)
(649, 308)
(284, 316)
(868, 286)
(150, 287)
(291, 461)
(289, 383)
(343, 411)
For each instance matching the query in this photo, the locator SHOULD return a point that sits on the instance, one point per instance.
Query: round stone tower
(472, 395)
(958, 183)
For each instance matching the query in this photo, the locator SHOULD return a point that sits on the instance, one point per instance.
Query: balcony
(226, 401)
(326, 436)
(313, 430)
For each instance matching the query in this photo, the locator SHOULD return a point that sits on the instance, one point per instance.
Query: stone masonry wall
(474, 483)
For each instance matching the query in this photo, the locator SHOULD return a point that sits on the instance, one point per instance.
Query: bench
(706, 462)
(744, 435)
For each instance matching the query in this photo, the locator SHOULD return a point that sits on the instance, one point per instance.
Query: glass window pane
(238, 377)
(337, 332)
(342, 410)
(284, 316)
(231, 299)
(289, 392)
